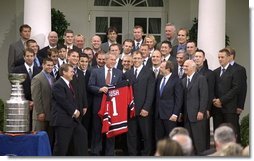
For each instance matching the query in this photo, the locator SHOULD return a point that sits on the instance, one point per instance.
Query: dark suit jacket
(79, 85)
(16, 50)
(210, 77)
(105, 46)
(63, 105)
(195, 97)
(41, 95)
(27, 83)
(22, 61)
(77, 49)
(119, 64)
(227, 87)
(97, 80)
(143, 88)
(43, 53)
(241, 71)
(149, 63)
(170, 102)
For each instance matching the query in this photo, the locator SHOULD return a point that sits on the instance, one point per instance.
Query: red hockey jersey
(116, 105)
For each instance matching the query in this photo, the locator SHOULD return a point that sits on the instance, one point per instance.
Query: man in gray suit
(195, 105)
(17, 48)
(41, 95)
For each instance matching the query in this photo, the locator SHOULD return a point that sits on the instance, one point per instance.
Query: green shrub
(244, 127)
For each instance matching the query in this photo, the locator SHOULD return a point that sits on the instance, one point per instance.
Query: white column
(37, 14)
(211, 29)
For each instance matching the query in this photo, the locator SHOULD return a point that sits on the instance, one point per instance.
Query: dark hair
(83, 55)
(28, 50)
(68, 31)
(167, 42)
(52, 50)
(111, 29)
(129, 40)
(61, 46)
(231, 51)
(30, 41)
(72, 51)
(201, 51)
(46, 59)
(226, 51)
(169, 65)
(118, 45)
(64, 67)
(24, 26)
(192, 41)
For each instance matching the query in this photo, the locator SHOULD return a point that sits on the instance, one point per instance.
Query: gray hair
(224, 134)
(185, 142)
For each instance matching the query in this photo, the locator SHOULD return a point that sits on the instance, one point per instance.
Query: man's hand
(200, 116)
(239, 111)
(144, 113)
(31, 105)
(217, 103)
(76, 114)
(41, 117)
(173, 118)
(84, 111)
(103, 89)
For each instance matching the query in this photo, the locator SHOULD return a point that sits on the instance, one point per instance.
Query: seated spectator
(230, 149)
(168, 147)
(178, 130)
(185, 142)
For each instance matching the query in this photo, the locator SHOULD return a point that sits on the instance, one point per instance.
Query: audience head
(168, 147)
(230, 149)
(181, 57)
(222, 135)
(178, 130)
(185, 142)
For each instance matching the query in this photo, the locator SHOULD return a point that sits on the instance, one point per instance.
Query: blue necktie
(30, 73)
(162, 85)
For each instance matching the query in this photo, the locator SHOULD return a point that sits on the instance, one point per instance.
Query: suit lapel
(192, 81)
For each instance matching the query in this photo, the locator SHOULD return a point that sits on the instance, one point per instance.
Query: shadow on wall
(9, 34)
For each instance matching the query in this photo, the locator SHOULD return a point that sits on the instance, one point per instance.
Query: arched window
(135, 3)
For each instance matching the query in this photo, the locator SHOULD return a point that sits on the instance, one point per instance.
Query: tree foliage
(59, 23)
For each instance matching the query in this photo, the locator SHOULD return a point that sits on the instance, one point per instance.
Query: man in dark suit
(143, 82)
(69, 41)
(41, 94)
(165, 50)
(31, 70)
(210, 77)
(99, 80)
(195, 105)
(169, 97)
(241, 96)
(116, 49)
(53, 40)
(227, 87)
(65, 116)
(137, 37)
(78, 82)
(147, 61)
(111, 34)
(31, 43)
(16, 49)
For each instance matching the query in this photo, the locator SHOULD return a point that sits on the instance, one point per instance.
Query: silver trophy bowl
(16, 112)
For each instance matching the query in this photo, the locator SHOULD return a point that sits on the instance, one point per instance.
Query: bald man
(195, 105)
(53, 42)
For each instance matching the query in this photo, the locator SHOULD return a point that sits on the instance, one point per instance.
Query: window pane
(155, 3)
(157, 38)
(154, 25)
(101, 24)
(103, 38)
(101, 2)
(116, 22)
(119, 39)
(141, 22)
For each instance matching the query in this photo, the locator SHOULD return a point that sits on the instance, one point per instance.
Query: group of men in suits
(169, 90)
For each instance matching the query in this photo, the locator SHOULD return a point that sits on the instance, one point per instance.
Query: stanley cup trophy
(16, 112)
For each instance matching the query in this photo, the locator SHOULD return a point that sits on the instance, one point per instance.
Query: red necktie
(108, 77)
(72, 90)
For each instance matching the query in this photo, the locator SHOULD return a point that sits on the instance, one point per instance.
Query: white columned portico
(211, 29)
(37, 14)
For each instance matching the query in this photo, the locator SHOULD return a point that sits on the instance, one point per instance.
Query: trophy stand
(16, 112)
